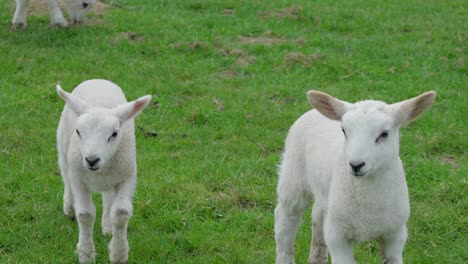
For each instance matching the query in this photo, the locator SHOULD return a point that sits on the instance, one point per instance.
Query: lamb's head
(370, 128)
(98, 129)
(78, 9)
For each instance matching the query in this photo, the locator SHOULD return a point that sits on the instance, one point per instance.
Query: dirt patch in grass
(127, 35)
(229, 74)
(147, 133)
(233, 52)
(301, 58)
(267, 38)
(219, 104)
(198, 45)
(245, 61)
(228, 11)
(132, 36)
(451, 161)
(242, 60)
(292, 12)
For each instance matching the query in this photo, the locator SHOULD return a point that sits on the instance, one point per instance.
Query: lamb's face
(99, 138)
(79, 9)
(371, 128)
(371, 138)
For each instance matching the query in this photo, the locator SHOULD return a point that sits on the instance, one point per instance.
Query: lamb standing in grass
(78, 10)
(352, 171)
(96, 152)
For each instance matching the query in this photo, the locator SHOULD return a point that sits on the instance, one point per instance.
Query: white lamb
(96, 152)
(352, 171)
(78, 10)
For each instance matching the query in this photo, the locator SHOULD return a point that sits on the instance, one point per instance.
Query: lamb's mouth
(93, 168)
(358, 174)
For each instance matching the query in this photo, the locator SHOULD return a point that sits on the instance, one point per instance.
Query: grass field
(229, 78)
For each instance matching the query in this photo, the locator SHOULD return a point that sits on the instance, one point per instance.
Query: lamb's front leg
(86, 214)
(19, 19)
(392, 247)
(107, 202)
(121, 212)
(56, 14)
(341, 248)
(318, 249)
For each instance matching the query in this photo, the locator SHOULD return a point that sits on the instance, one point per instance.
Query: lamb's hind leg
(288, 217)
(19, 19)
(318, 248)
(68, 201)
(120, 215)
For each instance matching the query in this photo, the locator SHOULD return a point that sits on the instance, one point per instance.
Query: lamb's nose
(92, 160)
(356, 165)
(85, 5)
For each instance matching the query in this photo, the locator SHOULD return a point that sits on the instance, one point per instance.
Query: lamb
(78, 10)
(345, 157)
(96, 152)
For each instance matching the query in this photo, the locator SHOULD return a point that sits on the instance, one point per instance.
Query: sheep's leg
(19, 19)
(392, 247)
(318, 249)
(86, 214)
(107, 202)
(121, 212)
(341, 249)
(68, 201)
(288, 218)
(56, 14)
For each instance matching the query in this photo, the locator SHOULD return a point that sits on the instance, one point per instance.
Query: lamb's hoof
(285, 260)
(318, 261)
(59, 22)
(118, 251)
(69, 211)
(78, 21)
(19, 25)
(106, 229)
(86, 253)
(391, 260)
(318, 255)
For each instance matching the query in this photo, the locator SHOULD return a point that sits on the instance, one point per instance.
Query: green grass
(206, 188)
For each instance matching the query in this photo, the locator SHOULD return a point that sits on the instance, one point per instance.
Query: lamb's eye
(114, 135)
(382, 136)
(344, 132)
(78, 132)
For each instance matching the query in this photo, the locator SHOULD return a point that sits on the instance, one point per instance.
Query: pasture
(228, 79)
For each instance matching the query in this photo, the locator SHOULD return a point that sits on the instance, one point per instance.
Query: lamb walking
(78, 10)
(345, 157)
(96, 153)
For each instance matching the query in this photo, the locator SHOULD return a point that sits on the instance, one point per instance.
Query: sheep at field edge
(96, 152)
(77, 9)
(345, 157)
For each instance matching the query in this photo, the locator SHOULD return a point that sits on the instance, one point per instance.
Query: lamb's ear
(76, 104)
(327, 105)
(129, 110)
(408, 110)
